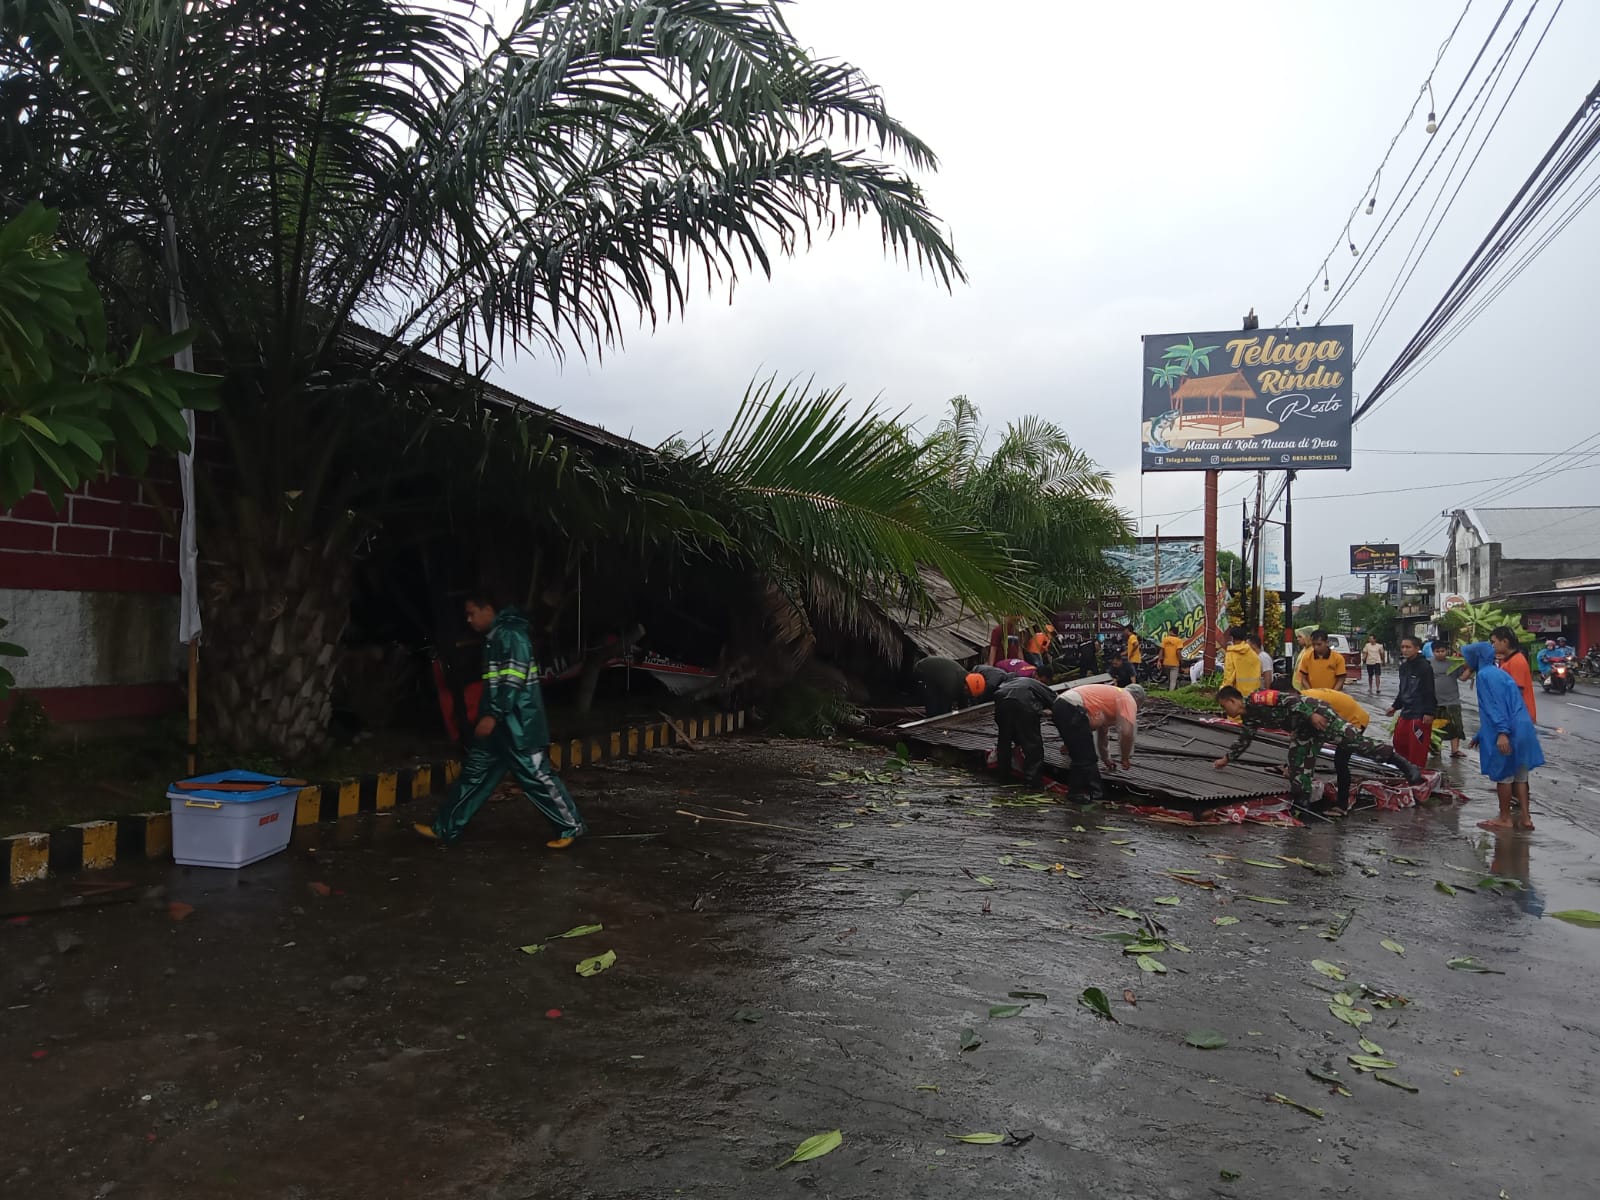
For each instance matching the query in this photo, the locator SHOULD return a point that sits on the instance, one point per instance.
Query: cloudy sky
(1115, 170)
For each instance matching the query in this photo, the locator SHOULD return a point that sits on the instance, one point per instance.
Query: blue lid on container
(270, 792)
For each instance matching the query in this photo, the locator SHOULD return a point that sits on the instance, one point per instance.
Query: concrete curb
(96, 845)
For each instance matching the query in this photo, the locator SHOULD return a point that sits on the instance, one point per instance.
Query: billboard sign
(1375, 558)
(1247, 400)
(1273, 576)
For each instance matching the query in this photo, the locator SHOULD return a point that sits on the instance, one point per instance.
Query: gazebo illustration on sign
(1223, 398)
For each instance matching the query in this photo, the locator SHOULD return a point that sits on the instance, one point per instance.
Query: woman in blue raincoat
(1508, 745)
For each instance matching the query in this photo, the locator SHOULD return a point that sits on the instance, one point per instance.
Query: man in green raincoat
(511, 735)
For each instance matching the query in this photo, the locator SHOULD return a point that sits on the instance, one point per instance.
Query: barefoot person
(1508, 744)
(1372, 655)
(512, 733)
(1447, 691)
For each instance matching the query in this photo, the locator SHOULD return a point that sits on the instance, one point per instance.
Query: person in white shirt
(1373, 655)
(1269, 669)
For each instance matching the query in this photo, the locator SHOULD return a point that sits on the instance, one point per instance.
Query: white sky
(1114, 170)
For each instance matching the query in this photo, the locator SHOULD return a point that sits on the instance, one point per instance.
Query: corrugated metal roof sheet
(1541, 532)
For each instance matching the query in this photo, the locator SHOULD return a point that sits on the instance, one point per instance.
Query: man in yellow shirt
(1134, 654)
(1358, 718)
(1320, 667)
(1172, 657)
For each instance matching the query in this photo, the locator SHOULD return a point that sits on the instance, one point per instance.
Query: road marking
(1585, 707)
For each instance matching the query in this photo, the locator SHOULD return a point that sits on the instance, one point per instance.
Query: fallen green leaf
(985, 880)
(1224, 920)
(1329, 1076)
(1440, 885)
(600, 962)
(1095, 1000)
(1176, 871)
(1122, 841)
(1280, 1098)
(998, 1011)
(1006, 860)
(1388, 944)
(1266, 900)
(1206, 1039)
(1150, 965)
(1323, 967)
(928, 1087)
(836, 868)
(1496, 882)
(1145, 946)
(748, 1015)
(1169, 901)
(1370, 1046)
(1124, 939)
(1035, 866)
(1353, 1017)
(1027, 995)
(977, 1139)
(1079, 829)
(1271, 866)
(1228, 1176)
(531, 948)
(970, 1040)
(1468, 963)
(579, 931)
(1071, 874)
(1370, 1062)
(1129, 913)
(1393, 1082)
(1578, 916)
(815, 1147)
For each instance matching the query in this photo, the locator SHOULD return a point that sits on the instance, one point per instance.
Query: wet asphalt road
(357, 1020)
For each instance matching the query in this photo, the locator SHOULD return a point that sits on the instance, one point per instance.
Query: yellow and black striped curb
(96, 845)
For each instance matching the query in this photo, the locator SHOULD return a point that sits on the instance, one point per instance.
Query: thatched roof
(1232, 386)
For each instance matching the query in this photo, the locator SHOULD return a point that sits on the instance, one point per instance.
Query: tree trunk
(274, 615)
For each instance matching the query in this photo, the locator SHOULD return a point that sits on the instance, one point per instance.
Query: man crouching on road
(512, 733)
(1310, 723)
(1084, 717)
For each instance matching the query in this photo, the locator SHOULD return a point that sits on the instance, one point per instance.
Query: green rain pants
(487, 763)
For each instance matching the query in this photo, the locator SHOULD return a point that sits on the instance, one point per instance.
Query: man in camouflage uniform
(1311, 724)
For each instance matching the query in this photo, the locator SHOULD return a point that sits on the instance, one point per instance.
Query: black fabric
(1017, 723)
(944, 684)
(1072, 723)
(1122, 673)
(1037, 696)
(1415, 698)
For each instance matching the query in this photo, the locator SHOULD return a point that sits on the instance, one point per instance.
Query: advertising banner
(1274, 578)
(1375, 558)
(1247, 400)
(1185, 612)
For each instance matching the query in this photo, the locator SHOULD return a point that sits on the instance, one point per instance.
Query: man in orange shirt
(1508, 652)
(1172, 657)
(1321, 666)
(1083, 717)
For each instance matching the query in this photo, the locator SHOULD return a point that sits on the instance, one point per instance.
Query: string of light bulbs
(1369, 194)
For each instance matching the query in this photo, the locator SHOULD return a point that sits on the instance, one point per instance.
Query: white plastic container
(231, 829)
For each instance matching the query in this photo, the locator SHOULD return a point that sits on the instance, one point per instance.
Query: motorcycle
(1589, 668)
(1560, 676)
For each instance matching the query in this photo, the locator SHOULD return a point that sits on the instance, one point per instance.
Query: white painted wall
(86, 639)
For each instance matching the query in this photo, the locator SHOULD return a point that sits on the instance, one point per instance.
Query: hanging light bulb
(1354, 253)
(1324, 276)
(1306, 307)
(1433, 121)
(1433, 124)
(1372, 205)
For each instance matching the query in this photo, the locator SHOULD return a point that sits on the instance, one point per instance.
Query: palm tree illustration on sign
(1223, 397)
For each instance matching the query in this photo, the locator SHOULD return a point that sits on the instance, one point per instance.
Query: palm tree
(1045, 498)
(326, 163)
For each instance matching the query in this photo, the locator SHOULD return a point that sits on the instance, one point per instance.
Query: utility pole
(1158, 564)
(1259, 562)
(1288, 560)
(1210, 661)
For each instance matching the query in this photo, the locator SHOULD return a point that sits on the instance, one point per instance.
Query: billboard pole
(1288, 562)
(1211, 572)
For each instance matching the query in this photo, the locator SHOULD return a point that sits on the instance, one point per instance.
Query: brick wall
(107, 536)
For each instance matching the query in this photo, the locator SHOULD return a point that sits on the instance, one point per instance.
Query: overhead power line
(1567, 155)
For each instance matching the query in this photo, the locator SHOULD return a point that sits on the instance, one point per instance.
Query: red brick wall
(106, 537)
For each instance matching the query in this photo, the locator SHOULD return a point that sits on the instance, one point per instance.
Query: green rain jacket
(511, 683)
